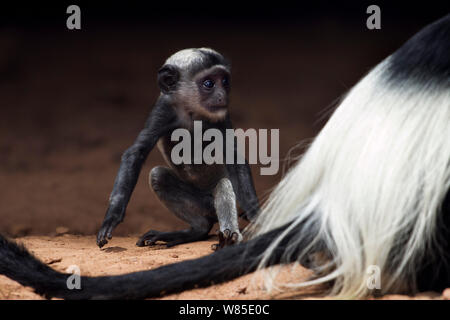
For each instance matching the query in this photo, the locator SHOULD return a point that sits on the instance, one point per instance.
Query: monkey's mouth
(216, 108)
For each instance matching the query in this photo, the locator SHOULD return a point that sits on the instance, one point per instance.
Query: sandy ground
(122, 256)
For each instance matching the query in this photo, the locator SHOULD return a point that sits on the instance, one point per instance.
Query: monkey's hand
(227, 238)
(112, 219)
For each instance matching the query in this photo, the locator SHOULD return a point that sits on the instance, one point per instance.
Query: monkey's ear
(168, 77)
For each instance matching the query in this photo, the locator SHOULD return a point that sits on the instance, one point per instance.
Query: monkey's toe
(148, 239)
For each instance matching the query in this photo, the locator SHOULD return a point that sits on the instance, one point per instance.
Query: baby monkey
(195, 86)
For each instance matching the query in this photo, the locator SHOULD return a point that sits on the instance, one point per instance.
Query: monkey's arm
(160, 122)
(225, 205)
(242, 181)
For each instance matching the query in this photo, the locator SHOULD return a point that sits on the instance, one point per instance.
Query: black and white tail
(376, 176)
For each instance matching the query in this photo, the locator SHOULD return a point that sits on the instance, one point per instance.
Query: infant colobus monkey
(195, 85)
(372, 191)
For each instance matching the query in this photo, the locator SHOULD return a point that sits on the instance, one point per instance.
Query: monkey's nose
(221, 99)
(222, 102)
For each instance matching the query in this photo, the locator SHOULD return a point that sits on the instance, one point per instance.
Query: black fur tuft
(424, 57)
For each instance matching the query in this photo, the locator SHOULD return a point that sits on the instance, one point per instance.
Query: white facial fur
(187, 95)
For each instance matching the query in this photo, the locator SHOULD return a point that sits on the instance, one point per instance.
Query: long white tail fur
(374, 179)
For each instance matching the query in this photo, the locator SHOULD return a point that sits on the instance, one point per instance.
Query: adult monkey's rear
(373, 189)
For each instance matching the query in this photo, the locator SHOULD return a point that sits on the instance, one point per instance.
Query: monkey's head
(198, 80)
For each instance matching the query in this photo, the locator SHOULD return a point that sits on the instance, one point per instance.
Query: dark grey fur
(199, 194)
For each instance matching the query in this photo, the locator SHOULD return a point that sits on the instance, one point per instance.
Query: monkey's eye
(208, 83)
(225, 82)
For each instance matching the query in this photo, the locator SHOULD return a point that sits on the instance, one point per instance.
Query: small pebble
(61, 230)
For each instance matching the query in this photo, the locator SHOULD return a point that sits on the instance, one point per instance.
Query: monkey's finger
(102, 235)
(223, 236)
(226, 238)
(101, 242)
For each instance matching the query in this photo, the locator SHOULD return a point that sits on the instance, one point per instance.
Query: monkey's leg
(188, 203)
(225, 205)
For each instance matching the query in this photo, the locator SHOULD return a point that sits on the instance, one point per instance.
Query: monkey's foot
(171, 238)
(227, 238)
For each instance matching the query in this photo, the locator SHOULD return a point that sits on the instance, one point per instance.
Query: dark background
(72, 101)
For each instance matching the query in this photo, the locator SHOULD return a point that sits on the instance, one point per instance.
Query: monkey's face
(213, 87)
(203, 93)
